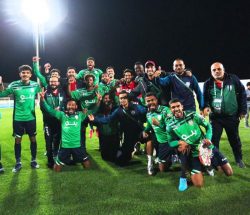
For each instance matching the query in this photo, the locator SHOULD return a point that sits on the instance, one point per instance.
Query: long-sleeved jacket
(229, 80)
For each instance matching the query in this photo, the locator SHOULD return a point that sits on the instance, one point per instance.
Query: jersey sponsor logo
(90, 101)
(23, 97)
(186, 137)
(67, 124)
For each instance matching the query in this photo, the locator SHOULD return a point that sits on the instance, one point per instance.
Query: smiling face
(152, 103)
(25, 75)
(217, 71)
(71, 107)
(123, 99)
(177, 109)
(54, 83)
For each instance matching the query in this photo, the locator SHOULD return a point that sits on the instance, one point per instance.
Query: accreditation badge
(217, 105)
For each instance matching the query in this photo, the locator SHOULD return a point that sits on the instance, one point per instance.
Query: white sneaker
(210, 172)
(150, 169)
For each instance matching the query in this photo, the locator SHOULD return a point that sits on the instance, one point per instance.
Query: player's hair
(24, 67)
(110, 67)
(91, 58)
(128, 70)
(174, 100)
(248, 84)
(138, 63)
(179, 59)
(71, 67)
(150, 94)
(55, 70)
(123, 92)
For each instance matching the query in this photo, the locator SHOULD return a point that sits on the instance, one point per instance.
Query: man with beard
(90, 70)
(71, 134)
(131, 118)
(157, 117)
(184, 132)
(108, 133)
(182, 86)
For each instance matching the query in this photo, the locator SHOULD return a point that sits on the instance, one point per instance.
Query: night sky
(119, 33)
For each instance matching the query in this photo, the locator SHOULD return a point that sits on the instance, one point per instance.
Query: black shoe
(1, 168)
(240, 164)
(34, 164)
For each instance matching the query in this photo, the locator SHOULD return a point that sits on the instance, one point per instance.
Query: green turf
(107, 189)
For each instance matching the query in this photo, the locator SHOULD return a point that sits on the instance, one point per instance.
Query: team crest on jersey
(76, 116)
(187, 84)
(190, 122)
(132, 112)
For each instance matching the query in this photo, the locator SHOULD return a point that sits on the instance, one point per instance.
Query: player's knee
(197, 179)
(227, 169)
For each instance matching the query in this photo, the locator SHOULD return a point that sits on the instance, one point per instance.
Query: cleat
(1, 168)
(17, 167)
(183, 184)
(241, 164)
(34, 164)
(210, 172)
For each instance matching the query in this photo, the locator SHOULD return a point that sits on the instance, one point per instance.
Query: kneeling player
(185, 133)
(71, 134)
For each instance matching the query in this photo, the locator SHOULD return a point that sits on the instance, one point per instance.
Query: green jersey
(96, 72)
(188, 129)
(162, 114)
(24, 99)
(39, 75)
(88, 98)
(70, 124)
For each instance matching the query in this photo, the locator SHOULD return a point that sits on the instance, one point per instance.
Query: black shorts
(64, 155)
(196, 166)
(218, 159)
(165, 152)
(24, 127)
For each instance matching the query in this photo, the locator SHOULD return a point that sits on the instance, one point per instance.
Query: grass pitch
(108, 189)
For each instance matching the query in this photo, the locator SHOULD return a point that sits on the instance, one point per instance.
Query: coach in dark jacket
(225, 99)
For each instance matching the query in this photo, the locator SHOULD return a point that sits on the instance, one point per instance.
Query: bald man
(225, 102)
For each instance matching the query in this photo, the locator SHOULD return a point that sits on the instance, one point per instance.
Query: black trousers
(109, 145)
(52, 135)
(231, 126)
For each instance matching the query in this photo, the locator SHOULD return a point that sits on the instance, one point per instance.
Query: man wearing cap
(90, 70)
(182, 86)
(147, 83)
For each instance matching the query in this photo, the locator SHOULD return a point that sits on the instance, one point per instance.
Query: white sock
(150, 160)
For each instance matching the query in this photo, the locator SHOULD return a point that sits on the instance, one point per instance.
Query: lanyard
(221, 91)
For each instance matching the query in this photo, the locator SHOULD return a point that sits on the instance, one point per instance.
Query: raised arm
(37, 71)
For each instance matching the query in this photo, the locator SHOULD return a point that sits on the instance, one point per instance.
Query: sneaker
(34, 164)
(210, 172)
(17, 167)
(1, 168)
(157, 160)
(241, 164)
(150, 169)
(183, 184)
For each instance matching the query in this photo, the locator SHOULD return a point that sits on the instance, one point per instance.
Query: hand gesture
(47, 67)
(144, 135)
(183, 147)
(42, 94)
(157, 72)
(36, 59)
(205, 112)
(155, 122)
(206, 142)
(91, 117)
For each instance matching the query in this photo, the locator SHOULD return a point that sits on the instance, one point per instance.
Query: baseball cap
(149, 62)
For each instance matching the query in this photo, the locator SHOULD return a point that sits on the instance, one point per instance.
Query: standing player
(24, 119)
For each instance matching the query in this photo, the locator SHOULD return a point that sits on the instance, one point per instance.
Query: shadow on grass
(20, 199)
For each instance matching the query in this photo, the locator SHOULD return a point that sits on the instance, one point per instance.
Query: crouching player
(185, 133)
(71, 134)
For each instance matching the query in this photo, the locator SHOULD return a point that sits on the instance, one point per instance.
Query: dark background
(121, 32)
